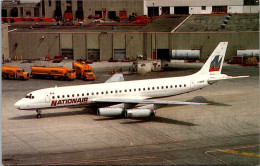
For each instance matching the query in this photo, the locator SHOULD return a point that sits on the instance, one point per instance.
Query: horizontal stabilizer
(213, 80)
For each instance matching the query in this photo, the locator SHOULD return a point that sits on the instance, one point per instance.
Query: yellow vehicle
(53, 72)
(9, 72)
(83, 71)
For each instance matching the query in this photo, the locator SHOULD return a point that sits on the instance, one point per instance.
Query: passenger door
(192, 84)
(47, 97)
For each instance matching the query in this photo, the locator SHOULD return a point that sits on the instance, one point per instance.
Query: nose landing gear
(39, 115)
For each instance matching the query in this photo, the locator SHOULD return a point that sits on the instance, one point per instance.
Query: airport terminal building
(81, 9)
(112, 8)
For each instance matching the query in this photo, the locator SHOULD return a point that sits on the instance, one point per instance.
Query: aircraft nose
(18, 104)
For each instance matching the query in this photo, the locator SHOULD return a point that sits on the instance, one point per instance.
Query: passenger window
(180, 85)
(102, 93)
(129, 90)
(97, 93)
(87, 94)
(53, 97)
(148, 89)
(63, 96)
(162, 87)
(171, 86)
(175, 86)
(125, 90)
(106, 92)
(82, 94)
(120, 91)
(115, 91)
(134, 89)
(68, 95)
(166, 87)
(143, 89)
(92, 93)
(73, 95)
(77, 94)
(111, 92)
(58, 97)
(139, 89)
(153, 88)
(158, 87)
(184, 85)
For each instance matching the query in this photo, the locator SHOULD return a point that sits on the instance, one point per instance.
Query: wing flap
(140, 101)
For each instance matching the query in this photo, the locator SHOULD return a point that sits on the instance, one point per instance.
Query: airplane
(122, 97)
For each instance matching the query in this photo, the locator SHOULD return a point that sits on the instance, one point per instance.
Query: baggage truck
(83, 71)
(53, 72)
(9, 72)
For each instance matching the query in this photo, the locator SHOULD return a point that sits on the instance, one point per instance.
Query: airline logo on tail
(215, 64)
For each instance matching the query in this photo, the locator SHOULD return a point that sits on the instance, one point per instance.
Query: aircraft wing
(141, 101)
(118, 77)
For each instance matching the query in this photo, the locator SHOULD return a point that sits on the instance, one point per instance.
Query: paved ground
(226, 132)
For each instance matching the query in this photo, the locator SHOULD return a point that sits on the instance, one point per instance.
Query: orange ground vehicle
(9, 72)
(83, 71)
(53, 72)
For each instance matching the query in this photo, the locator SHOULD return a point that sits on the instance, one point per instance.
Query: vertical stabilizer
(213, 65)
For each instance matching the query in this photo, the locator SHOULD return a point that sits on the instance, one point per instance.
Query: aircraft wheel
(38, 116)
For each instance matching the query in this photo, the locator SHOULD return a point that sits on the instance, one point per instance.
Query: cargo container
(83, 71)
(9, 72)
(53, 72)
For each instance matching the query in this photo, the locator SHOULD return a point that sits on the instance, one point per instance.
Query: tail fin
(213, 65)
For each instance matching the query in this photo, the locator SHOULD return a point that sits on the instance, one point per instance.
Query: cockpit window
(29, 96)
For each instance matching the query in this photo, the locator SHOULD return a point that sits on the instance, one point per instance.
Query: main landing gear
(39, 115)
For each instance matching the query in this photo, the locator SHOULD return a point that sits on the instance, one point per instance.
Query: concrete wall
(207, 42)
(193, 2)
(49, 10)
(106, 46)
(32, 46)
(25, 6)
(250, 9)
(5, 43)
(90, 6)
(134, 45)
(66, 41)
(79, 46)
(131, 6)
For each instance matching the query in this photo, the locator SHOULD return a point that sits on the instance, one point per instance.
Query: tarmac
(225, 132)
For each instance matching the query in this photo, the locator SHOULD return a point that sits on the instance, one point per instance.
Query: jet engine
(110, 111)
(139, 113)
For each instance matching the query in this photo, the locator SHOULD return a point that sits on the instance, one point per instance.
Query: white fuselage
(85, 94)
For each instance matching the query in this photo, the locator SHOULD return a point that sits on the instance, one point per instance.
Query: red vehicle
(67, 17)
(142, 19)
(122, 16)
(43, 19)
(97, 16)
(57, 59)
